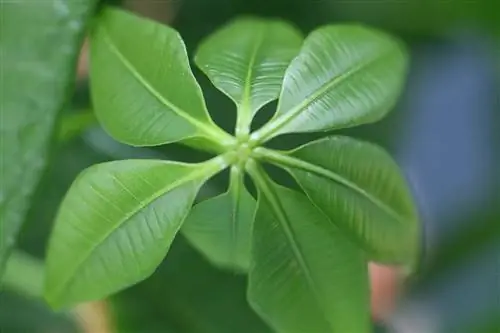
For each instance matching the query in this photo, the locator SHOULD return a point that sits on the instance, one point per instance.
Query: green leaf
(306, 276)
(142, 86)
(39, 45)
(247, 59)
(116, 224)
(344, 75)
(221, 227)
(361, 189)
(74, 124)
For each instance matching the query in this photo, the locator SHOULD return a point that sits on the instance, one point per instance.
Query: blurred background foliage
(455, 55)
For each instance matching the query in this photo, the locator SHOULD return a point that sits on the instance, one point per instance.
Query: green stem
(218, 137)
(285, 160)
(243, 121)
(235, 179)
(24, 274)
(235, 184)
(214, 139)
(73, 125)
(210, 144)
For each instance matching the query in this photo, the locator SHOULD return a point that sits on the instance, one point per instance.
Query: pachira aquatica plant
(305, 252)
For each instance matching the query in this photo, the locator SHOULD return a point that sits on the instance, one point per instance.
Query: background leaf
(344, 75)
(116, 225)
(306, 275)
(221, 227)
(361, 190)
(246, 59)
(142, 87)
(39, 44)
(174, 298)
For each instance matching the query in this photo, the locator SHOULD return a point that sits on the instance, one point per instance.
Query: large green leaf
(247, 59)
(344, 75)
(221, 227)
(306, 276)
(116, 224)
(143, 89)
(39, 45)
(361, 190)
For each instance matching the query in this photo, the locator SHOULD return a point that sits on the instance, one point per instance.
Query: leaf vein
(286, 117)
(178, 111)
(296, 163)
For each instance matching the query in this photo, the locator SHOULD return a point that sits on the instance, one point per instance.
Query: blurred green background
(187, 294)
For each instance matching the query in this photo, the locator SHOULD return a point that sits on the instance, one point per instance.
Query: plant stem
(255, 171)
(243, 121)
(24, 274)
(287, 161)
(73, 125)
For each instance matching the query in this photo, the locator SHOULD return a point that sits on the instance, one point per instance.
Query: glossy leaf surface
(344, 75)
(116, 224)
(247, 59)
(142, 87)
(221, 227)
(39, 46)
(306, 276)
(361, 190)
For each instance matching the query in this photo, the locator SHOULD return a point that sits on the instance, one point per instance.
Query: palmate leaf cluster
(305, 252)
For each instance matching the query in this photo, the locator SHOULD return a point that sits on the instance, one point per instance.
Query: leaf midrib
(235, 195)
(245, 111)
(287, 160)
(141, 204)
(138, 76)
(266, 190)
(284, 118)
(251, 64)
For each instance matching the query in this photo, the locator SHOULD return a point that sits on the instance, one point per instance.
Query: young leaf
(221, 227)
(360, 189)
(39, 48)
(142, 86)
(246, 59)
(344, 76)
(116, 224)
(306, 276)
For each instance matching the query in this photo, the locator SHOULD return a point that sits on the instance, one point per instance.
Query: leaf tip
(52, 300)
